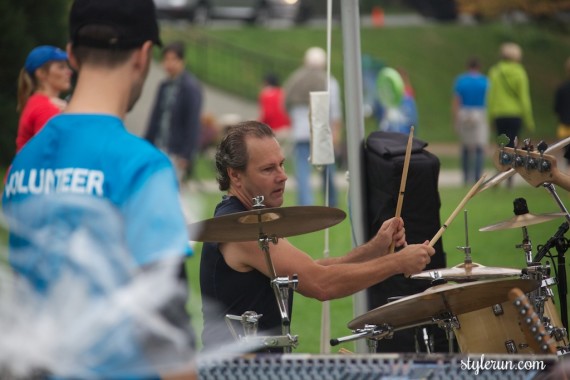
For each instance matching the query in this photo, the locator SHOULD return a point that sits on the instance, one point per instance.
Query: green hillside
(237, 59)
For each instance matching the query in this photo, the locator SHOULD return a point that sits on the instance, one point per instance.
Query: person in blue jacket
(83, 168)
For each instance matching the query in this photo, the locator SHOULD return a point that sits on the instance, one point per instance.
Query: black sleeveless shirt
(226, 291)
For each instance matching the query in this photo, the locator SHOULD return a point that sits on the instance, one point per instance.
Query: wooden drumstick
(469, 195)
(403, 181)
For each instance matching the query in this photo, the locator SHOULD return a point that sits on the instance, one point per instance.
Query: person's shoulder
(40, 102)
(229, 205)
(111, 135)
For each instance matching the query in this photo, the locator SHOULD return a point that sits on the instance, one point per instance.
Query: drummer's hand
(414, 258)
(392, 230)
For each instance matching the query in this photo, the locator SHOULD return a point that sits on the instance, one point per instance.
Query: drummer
(234, 277)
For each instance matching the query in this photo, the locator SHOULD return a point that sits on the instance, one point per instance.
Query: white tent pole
(353, 95)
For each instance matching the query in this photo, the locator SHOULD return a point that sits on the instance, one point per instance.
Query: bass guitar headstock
(534, 166)
(535, 333)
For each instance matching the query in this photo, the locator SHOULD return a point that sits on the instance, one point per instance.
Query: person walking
(469, 117)
(174, 125)
(44, 77)
(509, 105)
(311, 76)
(272, 111)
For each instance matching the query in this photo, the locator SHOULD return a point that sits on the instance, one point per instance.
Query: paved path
(222, 105)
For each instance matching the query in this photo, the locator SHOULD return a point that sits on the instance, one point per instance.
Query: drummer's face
(265, 173)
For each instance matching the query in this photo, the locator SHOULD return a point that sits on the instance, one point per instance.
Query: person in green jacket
(508, 99)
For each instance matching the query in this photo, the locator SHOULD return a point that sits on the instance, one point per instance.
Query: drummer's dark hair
(232, 150)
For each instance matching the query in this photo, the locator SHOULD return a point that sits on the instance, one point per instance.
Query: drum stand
(561, 249)
(541, 273)
(372, 333)
(448, 322)
(249, 321)
(281, 288)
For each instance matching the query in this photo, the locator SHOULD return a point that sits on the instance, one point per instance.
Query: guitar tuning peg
(503, 140)
(544, 164)
(541, 147)
(527, 145)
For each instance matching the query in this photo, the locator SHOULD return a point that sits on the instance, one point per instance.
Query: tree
(24, 24)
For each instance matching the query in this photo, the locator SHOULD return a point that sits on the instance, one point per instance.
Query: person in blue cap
(44, 77)
(66, 183)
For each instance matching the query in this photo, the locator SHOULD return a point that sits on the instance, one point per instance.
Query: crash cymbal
(278, 221)
(447, 298)
(463, 272)
(523, 220)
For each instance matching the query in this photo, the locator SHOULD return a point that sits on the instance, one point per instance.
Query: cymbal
(277, 221)
(462, 272)
(523, 220)
(447, 298)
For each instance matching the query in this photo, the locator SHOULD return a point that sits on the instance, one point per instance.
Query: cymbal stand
(526, 246)
(281, 285)
(468, 261)
(372, 333)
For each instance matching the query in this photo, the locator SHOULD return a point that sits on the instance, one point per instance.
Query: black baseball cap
(133, 21)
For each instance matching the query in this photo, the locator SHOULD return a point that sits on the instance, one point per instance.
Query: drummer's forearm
(342, 280)
(360, 254)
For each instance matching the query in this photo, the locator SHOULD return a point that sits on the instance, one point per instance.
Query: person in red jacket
(44, 77)
(272, 110)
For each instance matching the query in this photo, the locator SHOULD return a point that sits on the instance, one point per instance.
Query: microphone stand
(561, 248)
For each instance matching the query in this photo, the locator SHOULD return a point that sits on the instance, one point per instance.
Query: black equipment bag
(384, 154)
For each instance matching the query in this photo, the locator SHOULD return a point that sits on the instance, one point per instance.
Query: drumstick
(469, 195)
(403, 181)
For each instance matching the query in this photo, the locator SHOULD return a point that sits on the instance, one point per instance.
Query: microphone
(551, 242)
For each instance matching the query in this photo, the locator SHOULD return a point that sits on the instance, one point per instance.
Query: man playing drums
(234, 276)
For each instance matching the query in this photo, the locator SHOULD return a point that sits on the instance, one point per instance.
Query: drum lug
(511, 347)
(558, 333)
(498, 309)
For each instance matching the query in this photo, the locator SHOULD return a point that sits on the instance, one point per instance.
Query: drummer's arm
(325, 282)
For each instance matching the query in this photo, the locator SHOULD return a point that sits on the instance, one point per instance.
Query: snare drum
(497, 329)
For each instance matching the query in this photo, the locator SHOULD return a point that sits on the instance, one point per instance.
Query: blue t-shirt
(471, 87)
(84, 171)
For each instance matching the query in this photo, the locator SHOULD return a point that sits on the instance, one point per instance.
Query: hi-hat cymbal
(277, 221)
(523, 220)
(447, 298)
(463, 272)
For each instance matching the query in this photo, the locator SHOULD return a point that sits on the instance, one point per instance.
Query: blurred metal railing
(232, 68)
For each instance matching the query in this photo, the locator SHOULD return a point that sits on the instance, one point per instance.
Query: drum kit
(469, 301)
